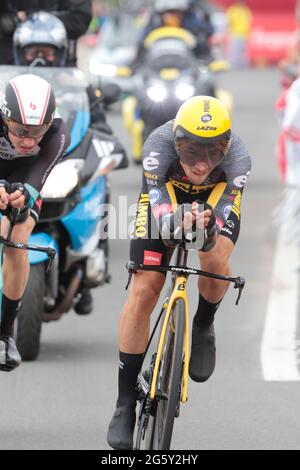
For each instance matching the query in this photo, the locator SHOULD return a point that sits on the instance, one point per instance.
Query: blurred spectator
(288, 142)
(239, 27)
(100, 12)
(290, 66)
(75, 14)
(297, 13)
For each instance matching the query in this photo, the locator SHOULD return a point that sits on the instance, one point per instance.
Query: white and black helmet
(28, 105)
(40, 29)
(161, 6)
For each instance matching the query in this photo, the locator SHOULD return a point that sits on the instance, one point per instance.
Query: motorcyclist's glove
(8, 23)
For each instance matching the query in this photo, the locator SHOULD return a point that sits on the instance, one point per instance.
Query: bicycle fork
(179, 292)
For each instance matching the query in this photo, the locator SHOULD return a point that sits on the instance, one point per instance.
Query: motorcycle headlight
(157, 93)
(184, 91)
(106, 70)
(63, 178)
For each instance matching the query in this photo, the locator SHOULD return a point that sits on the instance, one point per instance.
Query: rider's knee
(215, 265)
(147, 286)
(22, 232)
(217, 260)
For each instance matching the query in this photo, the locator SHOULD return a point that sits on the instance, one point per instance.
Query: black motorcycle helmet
(41, 40)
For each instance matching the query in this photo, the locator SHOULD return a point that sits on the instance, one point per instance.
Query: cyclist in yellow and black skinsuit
(193, 158)
(165, 185)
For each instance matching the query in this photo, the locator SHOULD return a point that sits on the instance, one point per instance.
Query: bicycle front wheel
(169, 381)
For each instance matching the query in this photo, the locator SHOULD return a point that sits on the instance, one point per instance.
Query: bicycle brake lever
(51, 255)
(239, 284)
(131, 268)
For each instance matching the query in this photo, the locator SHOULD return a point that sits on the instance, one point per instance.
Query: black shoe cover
(203, 353)
(121, 428)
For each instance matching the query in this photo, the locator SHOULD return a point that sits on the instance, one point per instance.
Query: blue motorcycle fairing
(41, 239)
(79, 129)
(81, 223)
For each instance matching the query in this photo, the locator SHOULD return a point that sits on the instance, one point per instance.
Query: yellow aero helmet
(203, 119)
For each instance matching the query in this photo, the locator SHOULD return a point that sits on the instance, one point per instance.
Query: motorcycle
(73, 218)
(116, 49)
(169, 74)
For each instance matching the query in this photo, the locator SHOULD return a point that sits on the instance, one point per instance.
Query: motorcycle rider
(42, 41)
(32, 140)
(180, 14)
(75, 15)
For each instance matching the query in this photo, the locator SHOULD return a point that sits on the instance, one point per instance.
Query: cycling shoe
(9, 355)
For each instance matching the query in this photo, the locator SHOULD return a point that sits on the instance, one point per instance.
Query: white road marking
(278, 349)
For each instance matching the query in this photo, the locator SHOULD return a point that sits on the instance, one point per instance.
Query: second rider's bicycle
(163, 384)
(13, 216)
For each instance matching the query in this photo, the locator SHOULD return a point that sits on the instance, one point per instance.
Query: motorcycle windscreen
(169, 53)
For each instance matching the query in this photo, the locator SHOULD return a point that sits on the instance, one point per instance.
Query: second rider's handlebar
(13, 215)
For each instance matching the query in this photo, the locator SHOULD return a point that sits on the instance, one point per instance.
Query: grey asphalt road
(66, 398)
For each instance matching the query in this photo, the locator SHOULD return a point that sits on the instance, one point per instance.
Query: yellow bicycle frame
(179, 292)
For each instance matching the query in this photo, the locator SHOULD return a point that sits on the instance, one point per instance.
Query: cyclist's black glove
(172, 232)
(171, 227)
(11, 188)
(211, 233)
(20, 187)
(5, 184)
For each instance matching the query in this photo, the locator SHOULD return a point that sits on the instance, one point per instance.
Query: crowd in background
(233, 23)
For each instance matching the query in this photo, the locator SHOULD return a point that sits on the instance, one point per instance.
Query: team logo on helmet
(206, 118)
(206, 128)
(3, 106)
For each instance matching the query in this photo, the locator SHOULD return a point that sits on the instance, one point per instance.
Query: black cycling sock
(205, 314)
(9, 313)
(129, 368)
